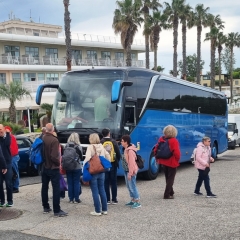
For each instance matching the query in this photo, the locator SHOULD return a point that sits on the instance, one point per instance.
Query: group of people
(103, 185)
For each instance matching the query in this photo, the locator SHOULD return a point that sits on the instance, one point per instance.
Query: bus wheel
(153, 168)
(214, 151)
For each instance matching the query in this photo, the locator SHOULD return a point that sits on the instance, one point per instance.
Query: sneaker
(47, 210)
(15, 190)
(136, 205)
(71, 201)
(77, 201)
(109, 202)
(129, 203)
(2, 204)
(197, 194)
(61, 213)
(104, 212)
(95, 213)
(9, 205)
(211, 195)
(115, 202)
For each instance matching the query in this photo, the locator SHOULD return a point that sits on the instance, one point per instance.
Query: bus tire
(214, 151)
(153, 168)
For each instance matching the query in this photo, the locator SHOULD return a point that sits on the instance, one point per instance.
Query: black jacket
(2, 160)
(5, 143)
(116, 149)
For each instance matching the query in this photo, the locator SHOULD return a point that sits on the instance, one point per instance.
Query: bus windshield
(83, 99)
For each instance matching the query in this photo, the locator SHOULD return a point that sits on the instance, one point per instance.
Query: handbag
(86, 177)
(95, 165)
(63, 184)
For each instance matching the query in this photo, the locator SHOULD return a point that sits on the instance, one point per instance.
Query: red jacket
(173, 161)
(13, 146)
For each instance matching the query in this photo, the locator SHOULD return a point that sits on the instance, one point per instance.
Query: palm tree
(157, 22)
(14, 91)
(199, 19)
(221, 39)
(126, 21)
(173, 11)
(147, 5)
(48, 108)
(184, 16)
(233, 40)
(67, 22)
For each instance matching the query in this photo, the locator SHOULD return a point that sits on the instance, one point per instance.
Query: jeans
(15, 160)
(7, 177)
(73, 180)
(132, 186)
(52, 175)
(111, 180)
(203, 177)
(169, 176)
(97, 188)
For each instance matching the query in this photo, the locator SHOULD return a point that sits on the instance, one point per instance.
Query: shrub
(16, 129)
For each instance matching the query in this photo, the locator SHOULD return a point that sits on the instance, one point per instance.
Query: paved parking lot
(185, 217)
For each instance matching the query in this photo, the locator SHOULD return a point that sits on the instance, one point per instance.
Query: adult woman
(97, 181)
(73, 176)
(169, 165)
(202, 163)
(130, 170)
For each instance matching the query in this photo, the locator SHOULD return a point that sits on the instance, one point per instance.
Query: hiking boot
(95, 214)
(211, 195)
(9, 204)
(129, 203)
(136, 205)
(197, 194)
(47, 210)
(104, 212)
(115, 202)
(61, 213)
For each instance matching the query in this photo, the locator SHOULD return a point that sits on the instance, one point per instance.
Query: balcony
(33, 86)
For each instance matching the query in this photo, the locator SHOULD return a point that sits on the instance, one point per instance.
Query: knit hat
(8, 128)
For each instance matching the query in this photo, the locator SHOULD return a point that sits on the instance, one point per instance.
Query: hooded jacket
(173, 161)
(203, 154)
(130, 157)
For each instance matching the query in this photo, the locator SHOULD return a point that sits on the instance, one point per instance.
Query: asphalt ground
(185, 217)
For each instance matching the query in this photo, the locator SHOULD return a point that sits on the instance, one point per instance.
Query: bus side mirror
(236, 131)
(116, 89)
(40, 91)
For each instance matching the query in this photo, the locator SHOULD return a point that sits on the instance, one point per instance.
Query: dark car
(24, 164)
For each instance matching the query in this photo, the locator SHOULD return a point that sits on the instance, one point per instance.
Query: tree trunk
(155, 58)
(67, 22)
(213, 49)
(128, 53)
(199, 31)
(219, 69)
(175, 43)
(231, 74)
(12, 112)
(147, 50)
(184, 54)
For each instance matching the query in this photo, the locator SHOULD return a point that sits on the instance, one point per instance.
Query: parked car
(24, 164)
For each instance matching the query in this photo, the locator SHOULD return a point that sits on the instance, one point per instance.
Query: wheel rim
(154, 167)
(214, 151)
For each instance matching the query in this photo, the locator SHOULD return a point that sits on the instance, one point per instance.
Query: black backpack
(70, 158)
(139, 161)
(163, 150)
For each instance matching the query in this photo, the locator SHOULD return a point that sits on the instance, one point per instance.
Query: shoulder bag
(95, 165)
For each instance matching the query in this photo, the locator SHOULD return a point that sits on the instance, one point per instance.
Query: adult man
(111, 176)
(101, 110)
(5, 142)
(51, 172)
(15, 159)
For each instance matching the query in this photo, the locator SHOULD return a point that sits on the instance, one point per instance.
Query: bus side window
(129, 116)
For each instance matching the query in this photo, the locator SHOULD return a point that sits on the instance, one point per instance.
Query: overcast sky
(95, 17)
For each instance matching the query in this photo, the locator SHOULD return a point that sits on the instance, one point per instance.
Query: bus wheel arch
(214, 150)
(153, 168)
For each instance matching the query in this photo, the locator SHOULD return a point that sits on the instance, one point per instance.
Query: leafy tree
(200, 20)
(146, 6)
(159, 69)
(173, 11)
(226, 59)
(67, 21)
(233, 40)
(48, 108)
(126, 21)
(191, 63)
(13, 92)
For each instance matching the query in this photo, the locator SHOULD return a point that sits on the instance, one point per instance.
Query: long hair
(74, 137)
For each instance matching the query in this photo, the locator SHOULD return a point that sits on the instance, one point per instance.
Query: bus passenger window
(130, 117)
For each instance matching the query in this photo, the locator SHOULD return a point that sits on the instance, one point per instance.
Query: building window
(3, 78)
(29, 77)
(33, 51)
(35, 34)
(105, 55)
(77, 55)
(52, 77)
(91, 54)
(52, 52)
(133, 56)
(119, 55)
(236, 82)
(206, 77)
(41, 76)
(16, 77)
(13, 50)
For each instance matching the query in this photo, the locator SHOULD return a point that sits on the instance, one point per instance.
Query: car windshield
(83, 99)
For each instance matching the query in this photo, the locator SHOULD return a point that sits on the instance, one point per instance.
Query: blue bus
(138, 102)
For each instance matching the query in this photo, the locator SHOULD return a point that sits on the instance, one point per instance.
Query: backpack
(193, 157)
(36, 152)
(70, 157)
(139, 161)
(108, 145)
(163, 150)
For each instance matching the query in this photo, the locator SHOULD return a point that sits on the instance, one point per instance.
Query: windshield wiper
(78, 129)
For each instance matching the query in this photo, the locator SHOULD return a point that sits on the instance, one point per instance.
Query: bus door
(129, 120)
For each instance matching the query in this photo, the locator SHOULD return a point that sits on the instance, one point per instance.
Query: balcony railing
(49, 60)
(33, 86)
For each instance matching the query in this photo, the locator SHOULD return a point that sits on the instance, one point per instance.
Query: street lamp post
(29, 122)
